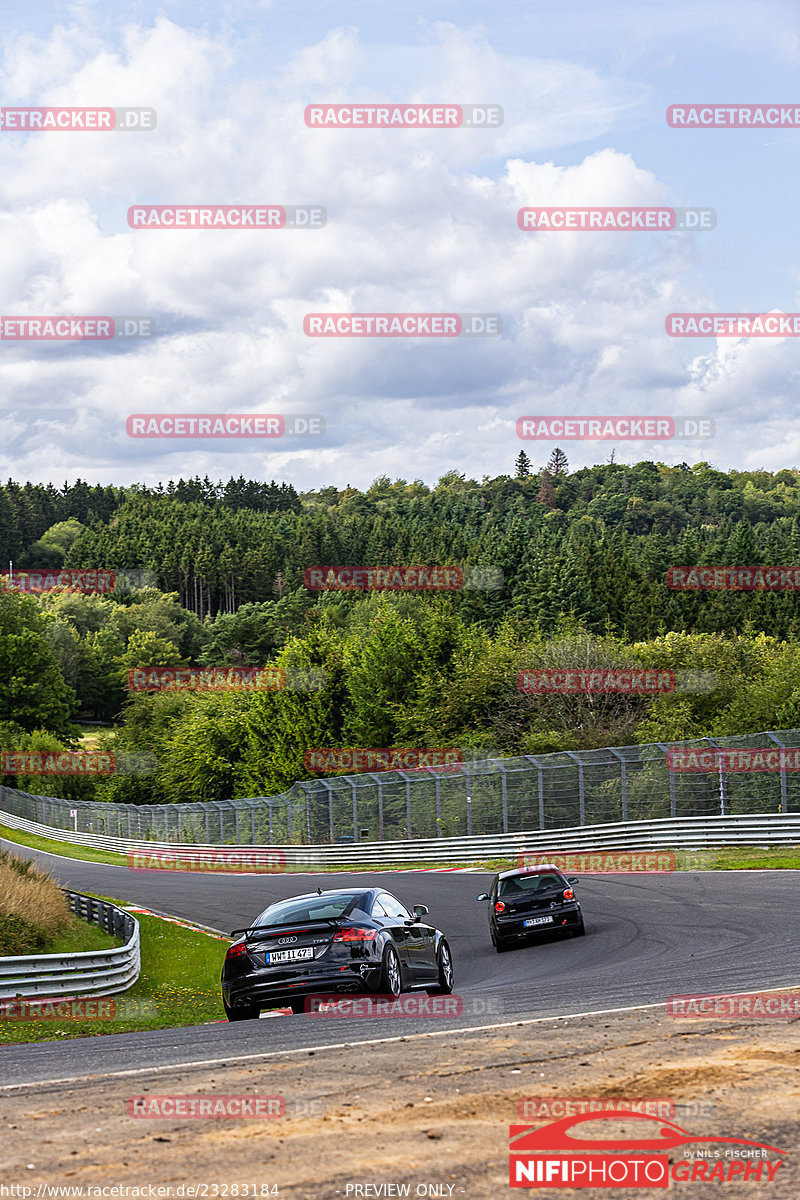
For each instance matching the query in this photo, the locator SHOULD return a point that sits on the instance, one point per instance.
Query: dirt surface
(431, 1112)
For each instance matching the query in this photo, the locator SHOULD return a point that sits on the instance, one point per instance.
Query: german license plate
(276, 956)
(538, 921)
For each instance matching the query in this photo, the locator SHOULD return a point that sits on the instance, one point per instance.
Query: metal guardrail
(86, 973)
(483, 796)
(692, 833)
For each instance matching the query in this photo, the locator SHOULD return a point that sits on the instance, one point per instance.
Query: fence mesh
(483, 796)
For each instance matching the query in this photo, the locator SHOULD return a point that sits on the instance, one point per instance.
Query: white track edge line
(235, 1059)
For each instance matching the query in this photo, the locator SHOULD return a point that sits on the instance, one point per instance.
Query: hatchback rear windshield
(313, 908)
(518, 885)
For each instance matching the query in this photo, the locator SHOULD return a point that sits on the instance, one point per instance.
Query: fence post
(377, 780)
(581, 795)
(623, 773)
(354, 790)
(723, 781)
(405, 777)
(784, 796)
(329, 790)
(504, 790)
(532, 758)
(468, 779)
(673, 804)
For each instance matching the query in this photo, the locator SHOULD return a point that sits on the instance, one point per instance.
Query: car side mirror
(483, 896)
(573, 881)
(420, 911)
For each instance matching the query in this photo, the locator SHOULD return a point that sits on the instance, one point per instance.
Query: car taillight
(569, 894)
(499, 907)
(355, 935)
(237, 950)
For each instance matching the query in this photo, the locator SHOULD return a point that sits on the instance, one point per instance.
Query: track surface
(648, 937)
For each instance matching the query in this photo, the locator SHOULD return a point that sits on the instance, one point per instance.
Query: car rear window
(313, 908)
(517, 885)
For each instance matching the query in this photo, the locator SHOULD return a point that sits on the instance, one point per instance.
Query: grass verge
(179, 985)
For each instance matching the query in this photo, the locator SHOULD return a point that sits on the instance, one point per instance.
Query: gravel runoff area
(432, 1113)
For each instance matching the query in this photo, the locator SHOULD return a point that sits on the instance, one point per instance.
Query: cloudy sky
(417, 221)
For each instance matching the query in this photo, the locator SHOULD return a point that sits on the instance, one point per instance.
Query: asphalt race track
(647, 937)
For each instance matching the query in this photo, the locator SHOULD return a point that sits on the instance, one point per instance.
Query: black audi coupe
(355, 940)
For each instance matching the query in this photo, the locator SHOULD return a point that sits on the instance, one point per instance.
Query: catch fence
(482, 797)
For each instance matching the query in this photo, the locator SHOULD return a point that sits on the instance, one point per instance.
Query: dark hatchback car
(527, 902)
(361, 940)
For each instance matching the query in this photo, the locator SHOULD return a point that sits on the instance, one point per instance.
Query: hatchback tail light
(355, 935)
(237, 950)
(569, 894)
(499, 907)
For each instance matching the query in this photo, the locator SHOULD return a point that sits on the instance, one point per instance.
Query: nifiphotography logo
(551, 1157)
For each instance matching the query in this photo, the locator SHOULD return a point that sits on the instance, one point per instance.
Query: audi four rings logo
(285, 941)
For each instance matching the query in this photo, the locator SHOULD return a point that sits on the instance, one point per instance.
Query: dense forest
(580, 559)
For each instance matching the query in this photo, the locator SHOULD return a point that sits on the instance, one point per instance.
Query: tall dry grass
(33, 909)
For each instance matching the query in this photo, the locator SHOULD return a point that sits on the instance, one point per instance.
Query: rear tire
(243, 1012)
(444, 962)
(499, 944)
(579, 930)
(391, 983)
